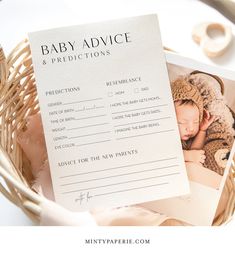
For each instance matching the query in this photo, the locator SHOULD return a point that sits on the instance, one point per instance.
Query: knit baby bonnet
(184, 90)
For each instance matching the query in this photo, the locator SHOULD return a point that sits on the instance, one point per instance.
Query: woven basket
(18, 100)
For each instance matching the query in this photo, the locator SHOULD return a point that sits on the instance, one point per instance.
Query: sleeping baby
(193, 120)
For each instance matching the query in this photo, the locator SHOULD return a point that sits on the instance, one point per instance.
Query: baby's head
(188, 106)
(187, 114)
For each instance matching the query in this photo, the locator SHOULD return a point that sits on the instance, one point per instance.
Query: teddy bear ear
(221, 157)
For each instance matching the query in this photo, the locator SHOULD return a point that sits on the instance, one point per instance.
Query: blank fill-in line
(141, 121)
(163, 131)
(96, 116)
(105, 132)
(94, 125)
(109, 185)
(92, 108)
(137, 172)
(107, 169)
(90, 144)
(141, 108)
(88, 100)
(125, 190)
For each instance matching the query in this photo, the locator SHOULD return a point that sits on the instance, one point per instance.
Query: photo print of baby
(205, 121)
(205, 109)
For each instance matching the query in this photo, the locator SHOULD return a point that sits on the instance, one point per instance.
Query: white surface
(176, 17)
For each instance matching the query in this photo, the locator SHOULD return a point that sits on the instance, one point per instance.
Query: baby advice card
(108, 115)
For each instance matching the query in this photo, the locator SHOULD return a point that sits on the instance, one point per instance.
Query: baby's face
(188, 120)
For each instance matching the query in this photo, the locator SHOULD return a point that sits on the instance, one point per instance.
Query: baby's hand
(196, 156)
(207, 120)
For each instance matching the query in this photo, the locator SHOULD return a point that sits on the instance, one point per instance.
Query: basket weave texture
(18, 100)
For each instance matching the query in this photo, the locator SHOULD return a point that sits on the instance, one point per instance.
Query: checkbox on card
(136, 90)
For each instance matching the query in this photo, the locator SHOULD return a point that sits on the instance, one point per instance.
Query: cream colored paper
(108, 115)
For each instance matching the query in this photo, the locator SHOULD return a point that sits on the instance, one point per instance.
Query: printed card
(108, 114)
(209, 161)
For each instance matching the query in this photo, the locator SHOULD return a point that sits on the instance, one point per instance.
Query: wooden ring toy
(210, 46)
